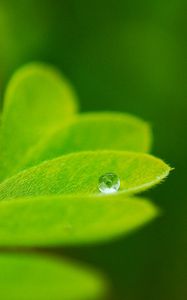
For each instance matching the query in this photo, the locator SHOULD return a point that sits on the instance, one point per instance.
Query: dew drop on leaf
(109, 183)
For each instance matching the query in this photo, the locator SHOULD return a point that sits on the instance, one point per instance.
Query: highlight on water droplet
(109, 183)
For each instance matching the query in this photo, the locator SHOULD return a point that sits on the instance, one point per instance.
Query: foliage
(51, 159)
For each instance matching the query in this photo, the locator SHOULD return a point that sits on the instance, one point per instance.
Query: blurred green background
(123, 56)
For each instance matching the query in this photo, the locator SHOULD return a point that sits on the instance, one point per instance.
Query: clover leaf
(69, 220)
(78, 173)
(36, 277)
(37, 98)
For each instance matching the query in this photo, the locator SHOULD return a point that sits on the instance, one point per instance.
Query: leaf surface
(40, 278)
(69, 220)
(92, 131)
(79, 173)
(37, 98)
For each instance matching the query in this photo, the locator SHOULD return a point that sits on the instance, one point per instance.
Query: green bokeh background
(123, 56)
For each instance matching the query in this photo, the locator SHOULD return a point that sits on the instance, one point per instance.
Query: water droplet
(109, 183)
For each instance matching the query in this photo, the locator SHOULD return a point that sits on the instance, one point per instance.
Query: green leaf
(78, 173)
(36, 99)
(40, 278)
(69, 220)
(92, 131)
